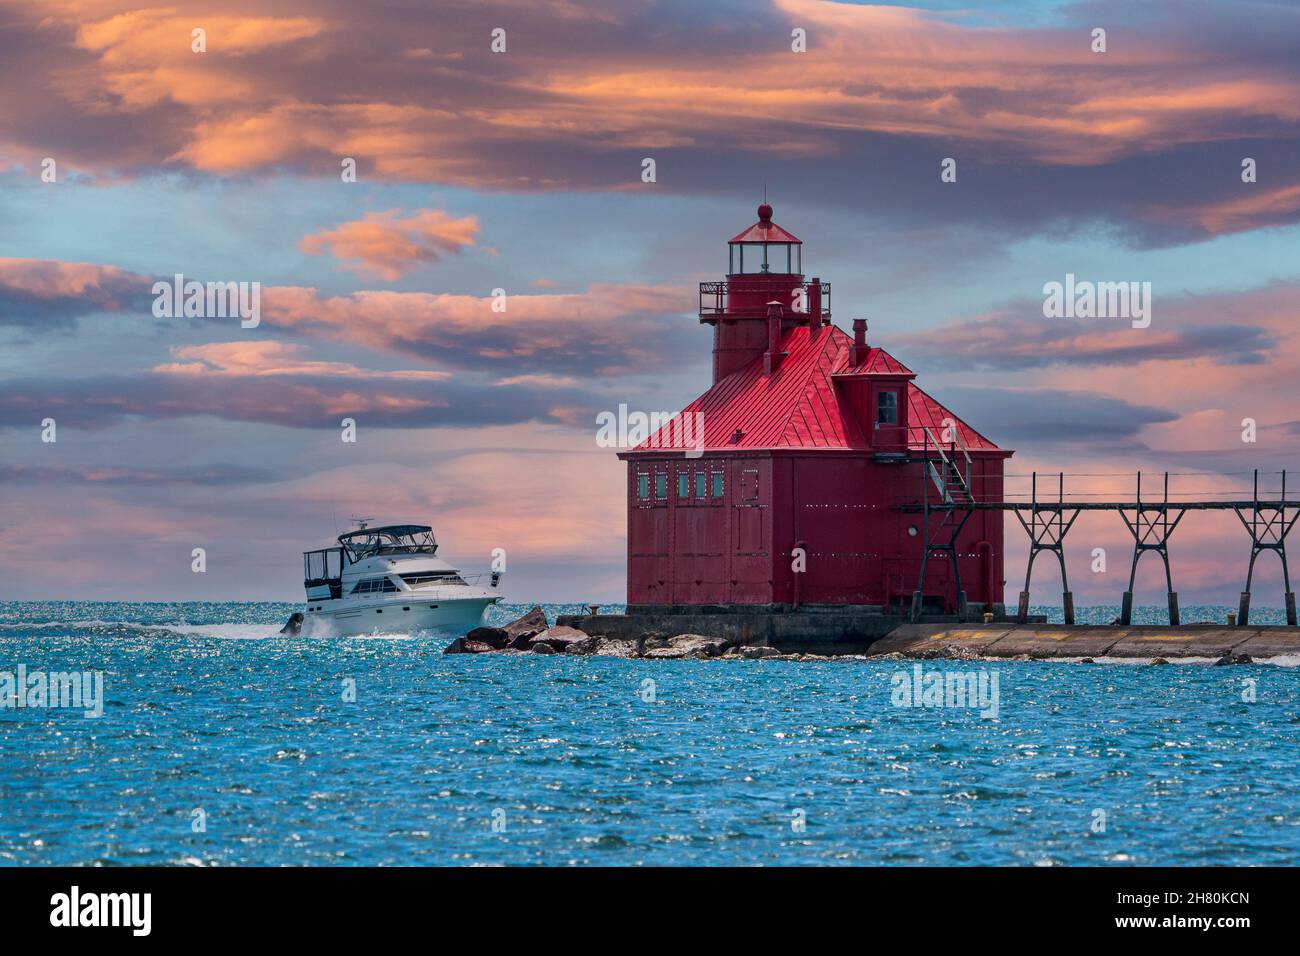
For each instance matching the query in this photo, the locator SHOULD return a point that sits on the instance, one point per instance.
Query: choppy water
(576, 761)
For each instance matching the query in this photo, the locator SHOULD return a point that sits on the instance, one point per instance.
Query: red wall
(736, 549)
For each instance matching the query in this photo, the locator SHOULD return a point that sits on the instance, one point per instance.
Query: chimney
(772, 357)
(815, 321)
(860, 350)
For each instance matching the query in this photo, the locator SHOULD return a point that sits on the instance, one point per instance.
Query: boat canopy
(390, 539)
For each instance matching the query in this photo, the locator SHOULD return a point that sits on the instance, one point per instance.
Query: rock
(543, 649)
(1087, 660)
(463, 645)
(497, 637)
(947, 652)
(522, 628)
(684, 645)
(750, 652)
(585, 646)
(1159, 660)
(559, 637)
(1234, 659)
(609, 647)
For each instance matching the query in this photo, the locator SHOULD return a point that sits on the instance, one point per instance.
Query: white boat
(389, 580)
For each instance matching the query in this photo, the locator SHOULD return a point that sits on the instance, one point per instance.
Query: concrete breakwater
(1045, 641)
(631, 637)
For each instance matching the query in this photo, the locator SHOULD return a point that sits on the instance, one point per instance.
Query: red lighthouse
(786, 482)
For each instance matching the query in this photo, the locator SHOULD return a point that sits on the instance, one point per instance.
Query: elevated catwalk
(948, 498)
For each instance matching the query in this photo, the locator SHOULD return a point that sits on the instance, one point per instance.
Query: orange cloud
(609, 327)
(260, 358)
(302, 90)
(389, 245)
(146, 56)
(1257, 207)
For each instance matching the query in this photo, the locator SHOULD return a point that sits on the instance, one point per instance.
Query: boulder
(497, 637)
(758, 653)
(607, 647)
(558, 637)
(1234, 659)
(540, 648)
(684, 645)
(522, 628)
(585, 646)
(463, 645)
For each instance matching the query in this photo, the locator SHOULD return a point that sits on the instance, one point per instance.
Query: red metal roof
(798, 405)
(765, 230)
(878, 362)
(924, 412)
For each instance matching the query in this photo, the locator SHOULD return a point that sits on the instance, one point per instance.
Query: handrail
(961, 443)
(965, 479)
(941, 484)
(949, 467)
(715, 295)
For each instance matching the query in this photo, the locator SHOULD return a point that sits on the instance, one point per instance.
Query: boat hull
(404, 616)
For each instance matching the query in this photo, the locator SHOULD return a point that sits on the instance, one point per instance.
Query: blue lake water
(222, 743)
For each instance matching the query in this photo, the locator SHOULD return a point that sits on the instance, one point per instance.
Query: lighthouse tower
(766, 266)
(786, 488)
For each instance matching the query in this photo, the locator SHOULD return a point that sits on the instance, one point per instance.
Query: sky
(127, 156)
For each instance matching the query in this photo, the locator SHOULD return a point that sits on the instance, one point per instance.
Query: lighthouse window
(643, 486)
(717, 484)
(701, 485)
(683, 485)
(661, 486)
(887, 408)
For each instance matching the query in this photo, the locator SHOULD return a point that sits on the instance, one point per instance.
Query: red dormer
(875, 384)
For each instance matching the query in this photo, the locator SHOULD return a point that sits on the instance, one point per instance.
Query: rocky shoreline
(532, 634)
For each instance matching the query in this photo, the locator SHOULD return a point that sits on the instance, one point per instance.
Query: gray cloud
(1052, 418)
(296, 402)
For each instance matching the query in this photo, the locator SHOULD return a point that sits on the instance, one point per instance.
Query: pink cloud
(609, 327)
(104, 286)
(263, 358)
(271, 90)
(390, 245)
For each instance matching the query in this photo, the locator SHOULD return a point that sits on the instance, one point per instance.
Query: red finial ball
(765, 213)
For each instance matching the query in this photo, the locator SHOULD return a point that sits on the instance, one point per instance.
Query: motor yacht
(389, 579)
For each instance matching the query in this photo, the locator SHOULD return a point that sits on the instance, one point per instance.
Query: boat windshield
(397, 539)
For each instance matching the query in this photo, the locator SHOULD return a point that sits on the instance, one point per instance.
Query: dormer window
(886, 408)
